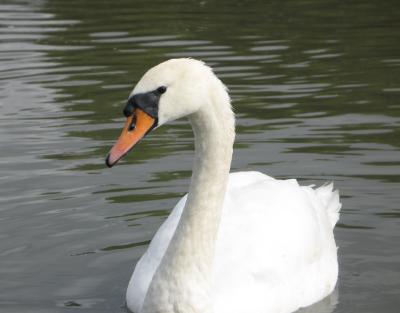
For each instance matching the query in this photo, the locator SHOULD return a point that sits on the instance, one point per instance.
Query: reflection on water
(315, 87)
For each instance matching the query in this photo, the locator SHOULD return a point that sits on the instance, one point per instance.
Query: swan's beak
(136, 127)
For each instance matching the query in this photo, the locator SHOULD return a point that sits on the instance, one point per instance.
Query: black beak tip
(108, 163)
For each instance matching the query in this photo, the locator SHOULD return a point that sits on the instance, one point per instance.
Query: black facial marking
(147, 102)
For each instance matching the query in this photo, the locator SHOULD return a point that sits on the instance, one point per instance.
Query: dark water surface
(316, 89)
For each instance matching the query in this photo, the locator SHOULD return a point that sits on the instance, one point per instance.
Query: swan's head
(168, 91)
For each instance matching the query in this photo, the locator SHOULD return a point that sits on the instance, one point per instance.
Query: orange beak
(135, 128)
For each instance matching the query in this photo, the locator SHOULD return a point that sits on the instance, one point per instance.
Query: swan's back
(275, 250)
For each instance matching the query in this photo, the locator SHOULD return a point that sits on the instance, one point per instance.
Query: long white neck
(183, 279)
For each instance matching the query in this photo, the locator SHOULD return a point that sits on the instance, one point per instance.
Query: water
(315, 86)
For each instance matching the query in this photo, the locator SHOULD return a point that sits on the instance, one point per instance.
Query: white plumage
(237, 243)
(275, 248)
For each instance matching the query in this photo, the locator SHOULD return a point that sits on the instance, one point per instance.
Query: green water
(315, 87)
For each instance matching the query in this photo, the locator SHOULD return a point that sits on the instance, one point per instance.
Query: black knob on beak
(129, 108)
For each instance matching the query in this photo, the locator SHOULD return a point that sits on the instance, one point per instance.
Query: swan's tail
(331, 201)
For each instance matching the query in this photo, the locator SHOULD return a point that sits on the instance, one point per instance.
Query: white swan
(237, 243)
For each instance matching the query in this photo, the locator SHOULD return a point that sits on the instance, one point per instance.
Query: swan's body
(238, 243)
(269, 258)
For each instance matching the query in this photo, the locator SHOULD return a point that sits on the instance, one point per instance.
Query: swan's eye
(161, 89)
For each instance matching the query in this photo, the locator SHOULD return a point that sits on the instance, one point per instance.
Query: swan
(236, 243)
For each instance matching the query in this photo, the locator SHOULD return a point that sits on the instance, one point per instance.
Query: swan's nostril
(133, 123)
